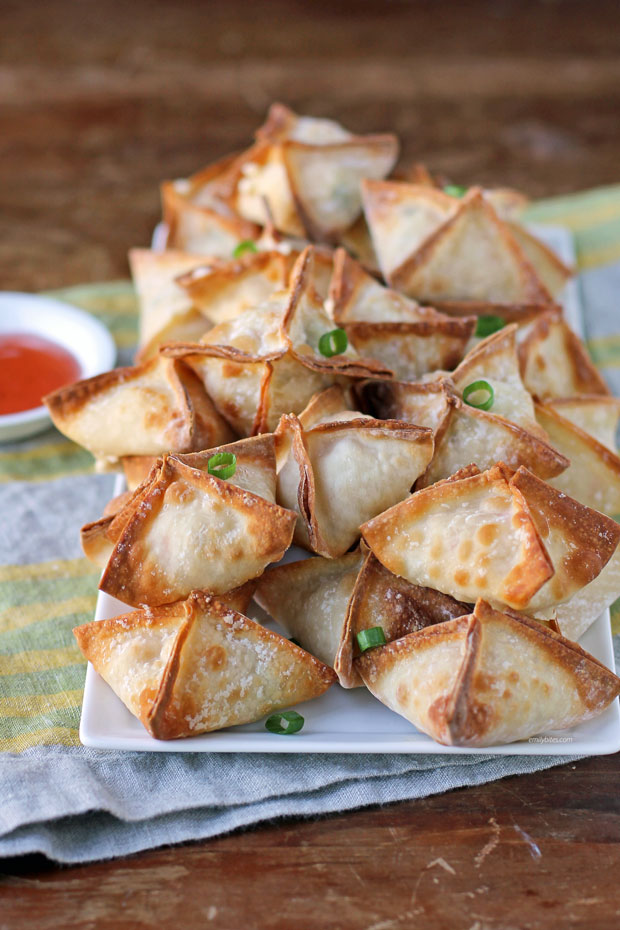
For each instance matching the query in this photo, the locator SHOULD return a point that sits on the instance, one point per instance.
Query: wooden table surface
(98, 102)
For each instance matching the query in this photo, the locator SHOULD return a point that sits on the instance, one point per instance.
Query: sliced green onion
(455, 190)
(487, 325)
(475, 386)
(333, 343)
(367, 639)
(285, 723)
(247, 245)
(222, 465)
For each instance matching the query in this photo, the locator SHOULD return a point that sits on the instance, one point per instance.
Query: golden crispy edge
(137, 468)
(589, 380)
(581, 525)
(552, 410)
(524, 580)
(495, 344)
(474, 199)
(119, 578)
(162, 723)
(254, 449)
(324, 403)
(382, 145)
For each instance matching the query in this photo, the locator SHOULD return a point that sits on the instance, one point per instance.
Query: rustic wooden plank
(530, 852)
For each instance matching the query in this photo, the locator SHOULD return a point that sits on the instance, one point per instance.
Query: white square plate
(352, 720)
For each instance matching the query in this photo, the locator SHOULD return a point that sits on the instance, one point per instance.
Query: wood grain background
(98, 102)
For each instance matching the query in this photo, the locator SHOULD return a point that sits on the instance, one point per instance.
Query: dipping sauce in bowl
(30, 367)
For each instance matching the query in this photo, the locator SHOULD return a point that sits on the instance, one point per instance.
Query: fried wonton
(550, 269)
(470, 435)
(310, 599)
(325, 603)
(597, 415)
(554, 361)
(152, 408)
(192, 529)
(338, 474)
(425, 403)
(577, 614)
(472, 257)
(334, 403)
(593, 476)
(222, 289)
(166, 311)
(197, 218)
(488, 678)
(495, 536)
(382, 324)
(495, 360)
(198, 665)
(267, 362)
(401, 217)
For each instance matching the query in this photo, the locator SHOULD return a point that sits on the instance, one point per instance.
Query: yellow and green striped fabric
(41, 669)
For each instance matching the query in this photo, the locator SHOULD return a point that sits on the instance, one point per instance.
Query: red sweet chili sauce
(31, 367)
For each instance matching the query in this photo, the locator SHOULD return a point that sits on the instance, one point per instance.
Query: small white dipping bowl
(79, 333)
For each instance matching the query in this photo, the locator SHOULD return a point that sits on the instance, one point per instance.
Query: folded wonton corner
(488, 678)
(198, 665)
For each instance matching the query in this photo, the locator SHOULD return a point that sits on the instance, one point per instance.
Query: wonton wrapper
(191, 529)
(338, 474)
(597, 415)
(470, 435)
(490, 536)
(425, 403)
(593, 476)
(310, 599)
(325, 603)
(495, 360)
(576, 615)
(550, 269)
(554, 361)
(197, 218)
(198, 665)
(166, 311)
(488, 678)
(224, 289)
(146, 410)
(266, 362)
(409, 339)
(472, 257)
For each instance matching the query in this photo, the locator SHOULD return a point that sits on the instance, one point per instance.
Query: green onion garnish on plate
(247, 245)
(368, 639)
(486, 402)
(487, 325)
(284, 723)
(222, 465)
(333, 343)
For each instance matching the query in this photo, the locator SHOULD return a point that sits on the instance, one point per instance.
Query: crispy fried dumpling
(190, 529)
(267, 362)
(593, 476)
(497, 535)
(146, 410)
(166, 310)
(338, 472)
(595, 414)
(198, 665)
(488, 678)
(554, 361)
(222, 289)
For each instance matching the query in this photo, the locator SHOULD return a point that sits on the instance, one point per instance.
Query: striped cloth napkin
(47, 491)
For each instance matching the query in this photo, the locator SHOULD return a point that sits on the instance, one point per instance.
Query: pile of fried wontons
(376, 370)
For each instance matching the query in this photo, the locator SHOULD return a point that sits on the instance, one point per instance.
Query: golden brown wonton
(339, 473)
(488, 678)
(554, 361)
(511, 538)
(187, 528)
(166, 311)
(152, 408)
(266, 362)
(198, 665)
